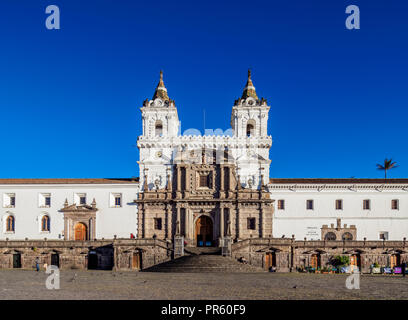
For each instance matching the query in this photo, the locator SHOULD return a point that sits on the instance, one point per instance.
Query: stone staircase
(203, 260)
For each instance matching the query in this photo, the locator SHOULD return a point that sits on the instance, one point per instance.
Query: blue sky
(70, 98)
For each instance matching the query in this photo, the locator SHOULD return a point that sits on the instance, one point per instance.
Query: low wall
(117, 254)
(289, 254)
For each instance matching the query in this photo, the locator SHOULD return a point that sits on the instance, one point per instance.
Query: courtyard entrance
(204, 232)
(80, 232)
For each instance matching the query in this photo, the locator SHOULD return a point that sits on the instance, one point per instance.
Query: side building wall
(111, 220)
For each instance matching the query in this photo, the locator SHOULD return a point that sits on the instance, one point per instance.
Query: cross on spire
(249, 90)
(161, 91)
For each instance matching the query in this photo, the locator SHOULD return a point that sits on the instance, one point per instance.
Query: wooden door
(270, 260)
(137, 261)
(55, 259)
(355, 260)
(80, 232)
(204, 231)
(395, 260)
(315, 261)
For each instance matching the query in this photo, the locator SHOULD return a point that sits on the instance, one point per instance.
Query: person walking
(37, 264)
(403, 268)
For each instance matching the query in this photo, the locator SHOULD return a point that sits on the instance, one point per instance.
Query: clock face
(159, 154)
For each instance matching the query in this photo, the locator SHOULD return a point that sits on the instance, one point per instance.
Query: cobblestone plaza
(95, 285)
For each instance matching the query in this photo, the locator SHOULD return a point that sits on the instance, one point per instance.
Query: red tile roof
(71, 181)
(333, 180)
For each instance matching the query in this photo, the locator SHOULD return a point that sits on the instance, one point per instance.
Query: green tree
(387, 165)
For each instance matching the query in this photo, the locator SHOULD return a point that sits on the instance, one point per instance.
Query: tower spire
(161, 91)
(249, 90)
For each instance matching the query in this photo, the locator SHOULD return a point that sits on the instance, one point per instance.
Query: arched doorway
(395, 260)
(355, 260)
(80, 231)
(315, 260)
(204, 232)
(17, 260)
(55, 259)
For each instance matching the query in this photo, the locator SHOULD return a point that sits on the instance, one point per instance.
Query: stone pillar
(186, 222)
(222, 180)
(167, 233)
(222, 222)
(237, 223)
(178, 178)
(140, 222)
(178, 216)
(263, 220)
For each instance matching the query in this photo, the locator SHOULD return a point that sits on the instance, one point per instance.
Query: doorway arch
(80, 232)
(204, 232)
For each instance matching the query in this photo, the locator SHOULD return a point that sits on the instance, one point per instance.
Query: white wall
(295, 219)
(109, 221)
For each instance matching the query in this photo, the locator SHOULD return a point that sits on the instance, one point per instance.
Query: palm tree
(388, 164)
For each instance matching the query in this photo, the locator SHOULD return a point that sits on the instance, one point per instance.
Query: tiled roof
(71, 181)
(333, 180)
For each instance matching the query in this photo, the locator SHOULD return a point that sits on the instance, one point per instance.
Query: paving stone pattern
(78, 285)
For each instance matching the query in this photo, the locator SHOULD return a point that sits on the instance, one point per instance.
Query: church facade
(203, 188)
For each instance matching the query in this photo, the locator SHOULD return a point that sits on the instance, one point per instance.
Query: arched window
(45, 223)
(250, 129)
(330, 236)
(10, 224)
(347, 236)
(158, 128)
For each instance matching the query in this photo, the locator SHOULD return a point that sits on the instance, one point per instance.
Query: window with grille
(366, 204)
(251, 223)
(10, 224)
(157, 223)
(339, 204)
(309, 204)
(9, 200)
(204, 181)
(395, 204)
(44, 200)
(45, 223)
(281, 204)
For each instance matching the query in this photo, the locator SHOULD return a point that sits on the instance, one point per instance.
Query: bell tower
(249, 121)
(160, 124)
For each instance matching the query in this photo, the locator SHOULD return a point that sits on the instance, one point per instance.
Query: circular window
(330, 236)
(347, 236)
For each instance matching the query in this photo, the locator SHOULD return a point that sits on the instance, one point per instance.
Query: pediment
(79, 208)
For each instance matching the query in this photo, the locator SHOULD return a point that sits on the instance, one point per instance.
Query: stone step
(202, 250)
(203, 263)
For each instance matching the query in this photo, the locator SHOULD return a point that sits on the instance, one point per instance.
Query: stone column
(237, 223)
(263, 220)
(178, 178)
(222, 179)
(222, 222)
(178, 217)
(186, 222)
(140, 222)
